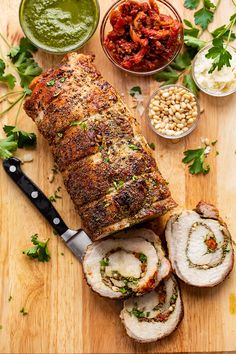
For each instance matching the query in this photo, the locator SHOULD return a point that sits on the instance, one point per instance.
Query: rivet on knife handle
(13, 168)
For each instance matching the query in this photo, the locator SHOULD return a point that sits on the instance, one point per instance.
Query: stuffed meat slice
(200, 246)
(131, 264)
(154, 315)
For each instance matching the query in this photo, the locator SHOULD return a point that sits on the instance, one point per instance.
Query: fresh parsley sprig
(21, 59)
(16, 138)
(39, 251)
(179, 70)
(197, 159)
(219, 51)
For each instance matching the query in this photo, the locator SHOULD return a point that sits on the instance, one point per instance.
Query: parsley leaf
(7, 146)
(197, 157)
(22, 58)
(220, 55)
(194, 42)
(135, 90)
(9, 79)
(22, 138)
(191, 30)
(203, 17)
(39, 250)
(182, 61)
(169, 75)
(191, 4)
(209, 4)
(190, 84)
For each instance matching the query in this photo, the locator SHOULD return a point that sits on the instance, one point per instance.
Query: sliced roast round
(154, 315)
(131, 264)
(200, 246)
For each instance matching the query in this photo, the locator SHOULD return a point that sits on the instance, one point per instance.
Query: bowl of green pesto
(59, 26)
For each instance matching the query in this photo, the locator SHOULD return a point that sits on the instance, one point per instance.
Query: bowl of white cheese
(219, 83)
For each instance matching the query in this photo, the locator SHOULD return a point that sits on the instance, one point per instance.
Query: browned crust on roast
(207, 210)
(88, 153)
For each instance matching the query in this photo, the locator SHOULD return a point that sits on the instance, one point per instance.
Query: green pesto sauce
(59, 25)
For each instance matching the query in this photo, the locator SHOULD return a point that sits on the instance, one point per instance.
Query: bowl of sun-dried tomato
(141, 37)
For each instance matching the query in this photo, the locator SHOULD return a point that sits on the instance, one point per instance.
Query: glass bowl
(200, 86)
(165, 8)
(53, 50)
(173, 137)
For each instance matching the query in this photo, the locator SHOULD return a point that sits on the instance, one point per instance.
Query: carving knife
(76, 240)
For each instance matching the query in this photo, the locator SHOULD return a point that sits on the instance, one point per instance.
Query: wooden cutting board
(64, 315)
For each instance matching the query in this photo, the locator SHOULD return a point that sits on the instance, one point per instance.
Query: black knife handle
(12, 167)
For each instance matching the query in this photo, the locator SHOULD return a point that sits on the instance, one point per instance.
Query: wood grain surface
(64, 315)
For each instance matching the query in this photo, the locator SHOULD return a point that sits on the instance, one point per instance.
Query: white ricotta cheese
(218, 82)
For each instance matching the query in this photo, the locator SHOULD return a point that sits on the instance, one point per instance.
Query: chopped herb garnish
(217, 153)
(53, 198)
(133, 147)
(135, 90)
(24, 313)
(143, 258)
(173, 298)
(10, 298)
(118, 184)
(152, 146)
(226, 248)
(74, 124)
(104, 262)
(60, 135)
(62, 254)
(39, 250)
(63, 79)
(125, 290)
(101, 147)
(134, 178)
(106, 159)
(148, 314)
(214, 142)
(83, 125)
(51, 83)
(137, 313)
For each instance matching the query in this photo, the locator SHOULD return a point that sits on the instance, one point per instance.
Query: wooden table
(64, 315)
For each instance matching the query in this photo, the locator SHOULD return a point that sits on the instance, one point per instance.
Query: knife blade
(76, 240)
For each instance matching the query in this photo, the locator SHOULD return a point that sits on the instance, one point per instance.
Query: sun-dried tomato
(142, 39)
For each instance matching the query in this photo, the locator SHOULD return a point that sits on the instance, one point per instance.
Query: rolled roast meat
(200, 246)
(133, 263)
(154, 315)
(107, 165)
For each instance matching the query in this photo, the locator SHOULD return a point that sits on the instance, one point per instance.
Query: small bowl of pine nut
(173, 111)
